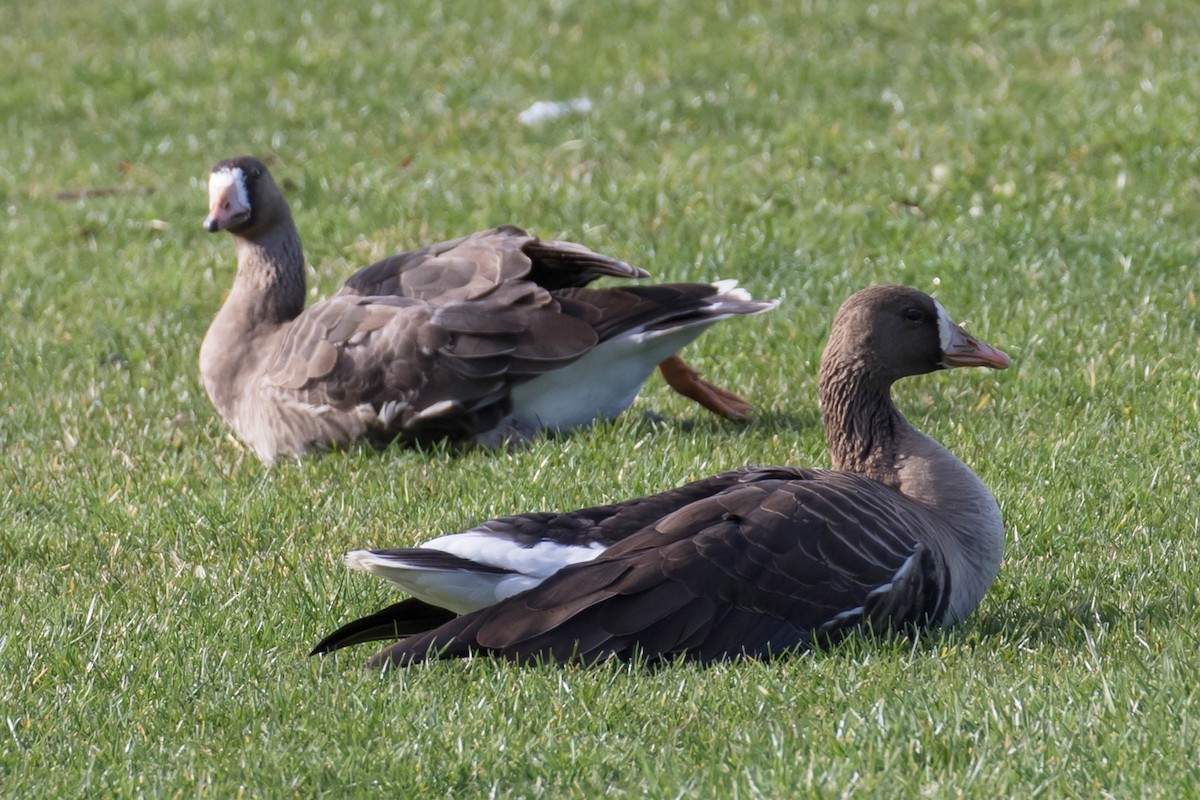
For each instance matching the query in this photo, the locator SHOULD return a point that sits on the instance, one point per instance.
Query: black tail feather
(408, 617)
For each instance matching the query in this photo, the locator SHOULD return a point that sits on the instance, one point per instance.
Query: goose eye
(914, 315)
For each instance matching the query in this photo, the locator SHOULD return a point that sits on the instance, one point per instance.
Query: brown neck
(862, 424)
(269, 286)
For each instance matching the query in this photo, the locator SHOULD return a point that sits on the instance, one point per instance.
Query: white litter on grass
(546, 110)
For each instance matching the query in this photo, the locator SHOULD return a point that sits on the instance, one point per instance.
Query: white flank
(463, 591)
(541, 560)
(602, 384)
(606, 380)
(459, 591)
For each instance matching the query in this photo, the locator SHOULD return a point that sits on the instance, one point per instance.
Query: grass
(1032, 162)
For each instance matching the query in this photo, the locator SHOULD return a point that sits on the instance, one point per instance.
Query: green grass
(1034, 163)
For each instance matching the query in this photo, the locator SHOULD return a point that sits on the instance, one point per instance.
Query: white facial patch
(945, 327)
(220, 182)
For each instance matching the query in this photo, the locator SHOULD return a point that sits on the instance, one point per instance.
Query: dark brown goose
(487, 338)
(747, 562)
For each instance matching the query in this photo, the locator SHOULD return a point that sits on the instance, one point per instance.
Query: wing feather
(472, 266)
(760, 565)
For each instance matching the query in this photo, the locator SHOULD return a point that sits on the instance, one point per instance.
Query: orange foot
(685, 380)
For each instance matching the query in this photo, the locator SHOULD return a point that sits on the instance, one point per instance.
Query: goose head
(880, 335)
(243, 198)
(892, 332)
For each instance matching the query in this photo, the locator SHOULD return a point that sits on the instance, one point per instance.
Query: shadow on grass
(856, 645)
(767, 423)
(1074, 623)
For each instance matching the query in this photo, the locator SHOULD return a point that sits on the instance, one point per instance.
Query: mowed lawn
(1033, 164)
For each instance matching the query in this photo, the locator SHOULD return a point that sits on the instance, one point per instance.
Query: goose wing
(426, 370)
(472, 266)
(780, 559)
(432, 370)
(459, 569)
(603, 525)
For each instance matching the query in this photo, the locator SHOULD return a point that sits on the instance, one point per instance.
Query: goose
(747, 563)
(489, 338)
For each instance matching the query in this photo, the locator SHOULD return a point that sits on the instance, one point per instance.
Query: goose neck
(862, 424)
(270, 281)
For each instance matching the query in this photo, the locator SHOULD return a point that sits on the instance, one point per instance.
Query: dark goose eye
(914, 315)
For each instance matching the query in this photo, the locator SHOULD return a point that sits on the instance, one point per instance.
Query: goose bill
(964, 350)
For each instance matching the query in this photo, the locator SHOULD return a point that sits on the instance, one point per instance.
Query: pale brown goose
(487, 338)
(747, 562)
